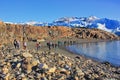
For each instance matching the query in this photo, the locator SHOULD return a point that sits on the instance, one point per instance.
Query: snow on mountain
(10, 23)
(109, 25)
(103, 27)
(31, 23)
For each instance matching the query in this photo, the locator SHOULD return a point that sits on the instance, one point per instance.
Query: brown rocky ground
(56, 64)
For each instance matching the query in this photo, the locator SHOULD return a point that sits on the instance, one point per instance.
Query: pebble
(43, 65)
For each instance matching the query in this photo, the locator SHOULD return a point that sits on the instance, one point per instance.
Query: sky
(50, 10)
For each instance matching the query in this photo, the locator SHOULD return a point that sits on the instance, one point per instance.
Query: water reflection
(103, 51)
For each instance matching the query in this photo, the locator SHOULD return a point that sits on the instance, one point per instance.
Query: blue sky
(49, 10)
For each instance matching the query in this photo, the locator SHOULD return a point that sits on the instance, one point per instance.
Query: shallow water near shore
(103, 51)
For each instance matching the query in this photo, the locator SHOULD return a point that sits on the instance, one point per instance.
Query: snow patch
(102, 27)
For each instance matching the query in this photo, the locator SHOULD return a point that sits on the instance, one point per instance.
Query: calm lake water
(102, 51)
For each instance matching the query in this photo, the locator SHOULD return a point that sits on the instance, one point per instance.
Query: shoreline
(62, 49)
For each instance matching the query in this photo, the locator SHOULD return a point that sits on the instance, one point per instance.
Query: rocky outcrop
(94, 34)
(8, 32)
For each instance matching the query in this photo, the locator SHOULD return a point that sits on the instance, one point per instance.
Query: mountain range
(105, 24)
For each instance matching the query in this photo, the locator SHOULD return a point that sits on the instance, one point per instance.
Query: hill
(8, 32)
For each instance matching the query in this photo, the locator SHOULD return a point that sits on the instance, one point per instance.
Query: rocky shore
(52, 65)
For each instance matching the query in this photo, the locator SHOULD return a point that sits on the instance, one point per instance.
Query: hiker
(15, 43)
(65, 43)
(59, 43)
(53, 45)
(49, 45)
(25, 45)
(38, 45)
(18, 44)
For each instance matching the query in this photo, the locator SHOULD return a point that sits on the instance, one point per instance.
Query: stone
(43, 66)
(18, 65)
(15, 59)
(42, 59)
(64, 71)
(26, 55)
(79, 72)
(52, 53)
(7, 76)
(5, 69)
(29, 68)
(76, 78)
(24, 78)
(35, 62)
(52, 70)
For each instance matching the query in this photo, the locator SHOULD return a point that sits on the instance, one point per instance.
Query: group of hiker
(51, 45)
(17, 44)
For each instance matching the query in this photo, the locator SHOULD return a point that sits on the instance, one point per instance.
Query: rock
(64, 71)
(5, 69)
(35, 62)
(7, 76)
(52, 70)
(52, 53)
(18, 65)
(76, 78)
(43, 66)
(24, 78)
(61, 78)
(29, 68)
(79, 72)
(15, 60)
(42, 59)
(43, 78)
(67, 67)
(26, 55)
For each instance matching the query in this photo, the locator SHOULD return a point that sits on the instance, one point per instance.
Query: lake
(102, 51)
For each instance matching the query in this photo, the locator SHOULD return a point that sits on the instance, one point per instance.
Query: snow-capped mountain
(109, 25)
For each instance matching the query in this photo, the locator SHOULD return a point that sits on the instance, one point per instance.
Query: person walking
(18, 44)
(38, 45)
(49, 45)
(25, 45)
(15, 43)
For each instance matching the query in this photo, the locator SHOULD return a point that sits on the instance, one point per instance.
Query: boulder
(18, 65)
(43, 66)
(29, 68)
(35, 62)
(5, 70)
(52, 70)
(26, 55)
